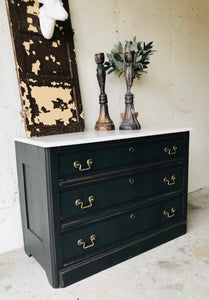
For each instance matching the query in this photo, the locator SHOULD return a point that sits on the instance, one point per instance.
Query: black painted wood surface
(134, 208)
(118, 155)
(85, 268)
(119, 228)
(125, 187)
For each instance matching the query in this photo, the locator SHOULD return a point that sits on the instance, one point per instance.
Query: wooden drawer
(101, 235)
(87, 160)
(81, 199)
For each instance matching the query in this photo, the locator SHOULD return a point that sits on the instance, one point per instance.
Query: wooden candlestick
(130, 121)
(104, 122)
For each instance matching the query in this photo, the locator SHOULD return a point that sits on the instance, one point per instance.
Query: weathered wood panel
(47, 72)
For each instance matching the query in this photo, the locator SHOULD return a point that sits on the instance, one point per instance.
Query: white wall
(175, 92)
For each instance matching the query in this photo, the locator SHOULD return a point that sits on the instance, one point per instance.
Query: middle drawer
(80, 199)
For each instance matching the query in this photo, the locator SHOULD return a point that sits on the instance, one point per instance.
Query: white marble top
(86, 137)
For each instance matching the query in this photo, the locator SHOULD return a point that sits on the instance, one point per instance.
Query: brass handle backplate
(81, 242)
(80, 203)
(170, 182)
(170, 214)
(77, 165)
(171, 151)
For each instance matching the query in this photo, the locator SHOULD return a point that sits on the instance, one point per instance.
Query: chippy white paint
(51, 11)
(174, 92)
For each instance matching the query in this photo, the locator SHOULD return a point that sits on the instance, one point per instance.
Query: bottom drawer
(104, 260)
(101, 235)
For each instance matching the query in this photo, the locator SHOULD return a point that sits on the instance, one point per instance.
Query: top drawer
(89, 159)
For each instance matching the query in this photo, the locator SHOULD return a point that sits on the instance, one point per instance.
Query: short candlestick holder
(104, 122)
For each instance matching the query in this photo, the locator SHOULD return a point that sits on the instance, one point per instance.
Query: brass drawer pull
(78, 202)
(83, 243)
(171, 151)
(168, 182)
(168, 215)
(77, 165)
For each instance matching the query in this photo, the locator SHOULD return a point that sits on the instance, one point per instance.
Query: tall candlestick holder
(104, 122)
(129, 121)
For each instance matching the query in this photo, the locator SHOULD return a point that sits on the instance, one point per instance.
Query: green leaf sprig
(142, 52)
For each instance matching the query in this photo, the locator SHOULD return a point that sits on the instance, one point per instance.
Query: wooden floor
(176, 270)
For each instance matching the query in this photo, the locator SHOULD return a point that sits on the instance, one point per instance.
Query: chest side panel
(33, 193)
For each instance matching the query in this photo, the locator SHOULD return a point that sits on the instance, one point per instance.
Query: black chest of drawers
(89, 206)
